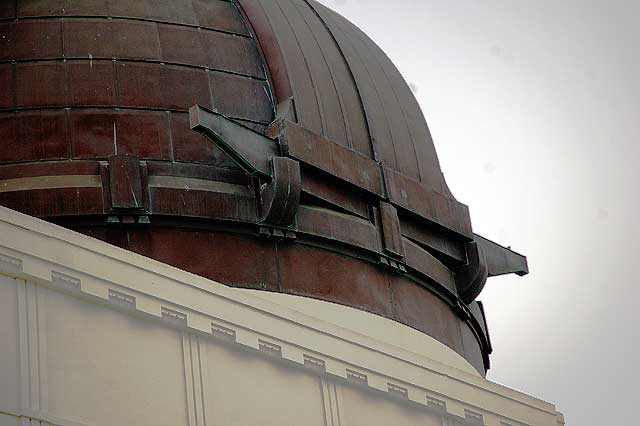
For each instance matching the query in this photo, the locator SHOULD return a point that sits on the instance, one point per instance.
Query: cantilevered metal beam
(251, 151)
(502, 260)
(260, 156)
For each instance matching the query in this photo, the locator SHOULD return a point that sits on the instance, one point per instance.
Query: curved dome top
(344, 87)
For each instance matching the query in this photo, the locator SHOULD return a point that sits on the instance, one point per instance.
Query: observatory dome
(264, 144)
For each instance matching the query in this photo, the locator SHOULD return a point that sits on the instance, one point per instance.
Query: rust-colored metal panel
(328, 98)
(187, 202)
(181, 44)
(135, 39)
(422, 310)
(93, 133)
(178, 11)
(49, 168)
(280, 198)
(43, 132)
(220, 257)
(220, 15)
(86, 7)
(7, 95)
(30, 40)
(346, 90)
(477, 311)
(182, 87)
(409, 135)
(372, 102)
(198, 171)
(259, 21)
(85, 83)
(8, 9)
(304, 93)
(326, 155)
(106, 194)
(241, 97)
(139, 84)
(392, 236)
(472, 277)
(55, 202)
(7, 42)
(125, 182)
(169, 87)
(340, 227)
(91, 83)
(473, 351)
(429, 166)
(111, 38)
(434, 206)
(437, 240)
(96, 38)
(145, 134)
(322, 274)
(34, 135)
(40, 84)
(422, 261)
(401, 138)
(35, 8)
(131, 9)
(13, 148)
(48, 183)
(100, 133)
(303, 144)
(245, 58)
(333, 192)
(358, 169)
(193, 147)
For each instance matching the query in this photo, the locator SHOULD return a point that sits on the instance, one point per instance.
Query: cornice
(47, 255)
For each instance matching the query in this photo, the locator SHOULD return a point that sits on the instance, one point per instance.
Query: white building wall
(72, 362)
(94, 335)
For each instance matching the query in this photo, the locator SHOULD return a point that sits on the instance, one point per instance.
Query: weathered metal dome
(266, 144)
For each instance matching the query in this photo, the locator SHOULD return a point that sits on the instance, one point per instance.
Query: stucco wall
(94, 335)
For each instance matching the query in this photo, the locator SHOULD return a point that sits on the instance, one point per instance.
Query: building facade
(275, 158)
(96, 335)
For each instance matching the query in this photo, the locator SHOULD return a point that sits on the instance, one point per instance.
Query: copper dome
(266, 144)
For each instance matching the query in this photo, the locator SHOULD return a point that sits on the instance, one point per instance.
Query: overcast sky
(534, 107)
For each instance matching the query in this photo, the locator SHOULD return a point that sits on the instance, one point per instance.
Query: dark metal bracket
(471, 278)
(280, 185)
(279, 177)
(250, 150)
(486, 259)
